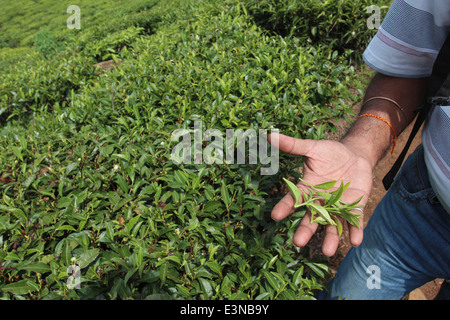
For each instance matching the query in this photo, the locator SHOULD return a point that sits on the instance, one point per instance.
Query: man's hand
(355, 156)
(325, 161)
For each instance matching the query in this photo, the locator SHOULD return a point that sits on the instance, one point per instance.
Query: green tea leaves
(317, 209)
(86, 178)
(332, 208)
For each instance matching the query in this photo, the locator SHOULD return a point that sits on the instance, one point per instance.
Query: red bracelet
(385, 121)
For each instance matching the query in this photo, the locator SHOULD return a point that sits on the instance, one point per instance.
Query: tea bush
(86, 177)
(339, 24)
(98, 19)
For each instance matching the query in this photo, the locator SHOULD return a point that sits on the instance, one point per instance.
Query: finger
(356, 234)
(286, 205)
(283, 208)
(305, 231)
(290, 145)
(330, 241)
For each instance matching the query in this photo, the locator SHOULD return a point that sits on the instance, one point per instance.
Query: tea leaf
(272, 281)
(338, 224)
(294, 190)
(35, 267)
(338, 194)
(325, 185)
(323, 212)
(225, 195)
(87, 257)
(21, 287)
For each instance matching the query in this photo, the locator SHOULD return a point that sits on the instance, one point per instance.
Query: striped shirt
(406, 45)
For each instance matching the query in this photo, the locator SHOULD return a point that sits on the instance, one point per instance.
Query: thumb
(290, 145)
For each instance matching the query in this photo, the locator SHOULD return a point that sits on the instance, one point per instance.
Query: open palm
(325, 161)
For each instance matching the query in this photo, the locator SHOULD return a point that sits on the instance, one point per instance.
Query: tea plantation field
(91, 204)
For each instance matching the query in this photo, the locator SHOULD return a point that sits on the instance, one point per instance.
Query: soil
(427, 291)
(107, 65)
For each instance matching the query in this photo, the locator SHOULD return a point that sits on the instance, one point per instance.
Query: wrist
(357, 147)
(369, 138)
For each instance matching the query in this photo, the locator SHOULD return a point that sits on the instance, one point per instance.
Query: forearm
(371, 137)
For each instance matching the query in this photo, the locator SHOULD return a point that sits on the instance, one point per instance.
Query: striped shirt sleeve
(409, 39)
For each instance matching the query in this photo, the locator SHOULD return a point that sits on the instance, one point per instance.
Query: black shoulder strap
(438, 89)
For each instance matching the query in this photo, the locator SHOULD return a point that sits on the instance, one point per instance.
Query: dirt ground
(427, 291)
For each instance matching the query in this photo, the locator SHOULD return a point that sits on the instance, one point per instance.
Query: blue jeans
(406, 242)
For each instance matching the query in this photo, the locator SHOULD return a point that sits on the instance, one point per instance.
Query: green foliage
(46, 43)
(85, 169)
(21, 20)
(340, 25)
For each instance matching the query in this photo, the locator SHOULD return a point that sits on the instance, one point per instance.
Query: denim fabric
(406, 242)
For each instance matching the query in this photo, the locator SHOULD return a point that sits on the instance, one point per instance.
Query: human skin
(353, 158)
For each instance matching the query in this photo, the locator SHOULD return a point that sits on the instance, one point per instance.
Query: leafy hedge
(85, 172)
(339, 24)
